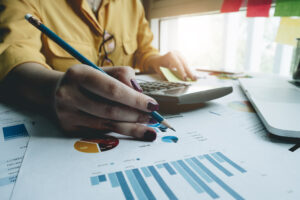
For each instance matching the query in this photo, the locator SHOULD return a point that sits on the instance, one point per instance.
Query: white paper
(12, 145)
(54, 169)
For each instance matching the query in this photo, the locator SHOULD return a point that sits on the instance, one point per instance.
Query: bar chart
(200, 173)
(13, 132)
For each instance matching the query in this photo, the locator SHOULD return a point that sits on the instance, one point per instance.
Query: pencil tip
(165, 123)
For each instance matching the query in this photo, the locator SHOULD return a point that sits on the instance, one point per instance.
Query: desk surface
(220, 150)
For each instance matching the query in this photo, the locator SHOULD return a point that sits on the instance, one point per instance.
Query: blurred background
(228, 41)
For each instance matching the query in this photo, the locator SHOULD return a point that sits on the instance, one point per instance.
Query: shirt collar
(80, 2)
(82, 5)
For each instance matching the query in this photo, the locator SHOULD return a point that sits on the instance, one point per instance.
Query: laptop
(277, 103)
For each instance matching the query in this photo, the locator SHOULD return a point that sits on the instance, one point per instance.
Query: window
(227, 41)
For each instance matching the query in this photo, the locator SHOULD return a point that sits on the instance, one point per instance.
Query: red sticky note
(231, 6)
(258, 8)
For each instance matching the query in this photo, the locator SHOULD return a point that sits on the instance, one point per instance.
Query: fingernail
(135, 85)
(149, 136)
(152, 106)
(185, 78)
(152, 121)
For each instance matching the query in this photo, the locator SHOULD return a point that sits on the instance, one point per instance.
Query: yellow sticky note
(168, 74)
(288, 31)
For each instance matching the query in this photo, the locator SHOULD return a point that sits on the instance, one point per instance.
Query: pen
(215, 71)
(38, 24)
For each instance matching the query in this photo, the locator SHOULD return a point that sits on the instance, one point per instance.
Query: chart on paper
(13, 143)
(101, 144)
(14, 132)
(203, 176)
(9, 164)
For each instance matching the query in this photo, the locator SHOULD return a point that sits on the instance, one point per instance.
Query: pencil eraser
(27, 16)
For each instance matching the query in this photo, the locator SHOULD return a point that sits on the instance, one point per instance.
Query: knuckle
(171, 54)
(109, 125)
(94, 124)
(109, 111)
(114, 90)
(142, 117)
(60, 93)
(124, 71)
(73, 72)
(139, 101)
(127, 70)
(63, 97)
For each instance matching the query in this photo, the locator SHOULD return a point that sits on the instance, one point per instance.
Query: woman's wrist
(152, 63)
(32, 83)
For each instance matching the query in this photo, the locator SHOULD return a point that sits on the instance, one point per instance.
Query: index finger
(178, 66)
(186, 68)
(106, 86)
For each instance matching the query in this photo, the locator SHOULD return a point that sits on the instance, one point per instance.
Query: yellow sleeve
(144, 38)
(20, 42)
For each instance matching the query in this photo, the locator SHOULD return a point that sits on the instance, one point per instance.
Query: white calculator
(183, 93)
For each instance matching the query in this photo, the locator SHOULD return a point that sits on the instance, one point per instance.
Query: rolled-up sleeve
(144, 38)
(20, 42)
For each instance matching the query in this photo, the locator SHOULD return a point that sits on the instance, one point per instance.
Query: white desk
(54, 169)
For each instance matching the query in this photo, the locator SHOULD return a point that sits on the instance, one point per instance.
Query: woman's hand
(173, 61)
(87, 98)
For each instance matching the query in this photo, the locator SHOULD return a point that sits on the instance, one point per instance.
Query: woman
(109, 33)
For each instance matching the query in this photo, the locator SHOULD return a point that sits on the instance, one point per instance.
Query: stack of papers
(219, 151)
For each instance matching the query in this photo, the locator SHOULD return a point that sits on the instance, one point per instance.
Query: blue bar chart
(201, 173)
(13, 132)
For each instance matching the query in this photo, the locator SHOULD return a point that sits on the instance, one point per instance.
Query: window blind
(169, 8)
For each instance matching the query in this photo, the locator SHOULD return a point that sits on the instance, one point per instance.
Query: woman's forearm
(84, 98)
(31, 83)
